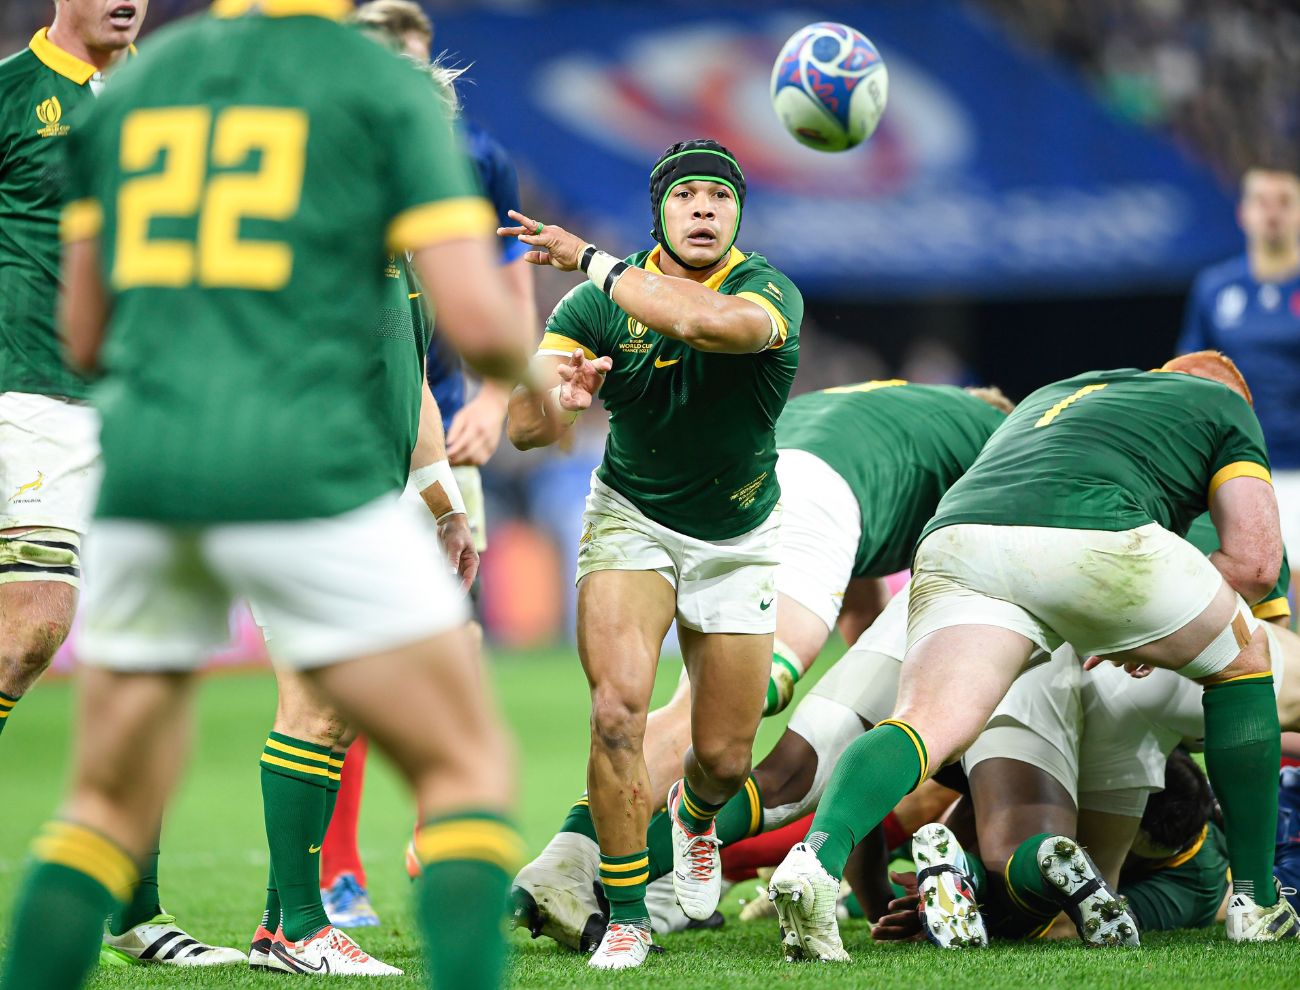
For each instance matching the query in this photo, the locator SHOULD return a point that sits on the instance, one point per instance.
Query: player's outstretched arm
(538, 418)
(674, 307)
(1244, 511)
(83, 304)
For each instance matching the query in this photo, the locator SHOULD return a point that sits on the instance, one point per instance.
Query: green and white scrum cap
(688, 161)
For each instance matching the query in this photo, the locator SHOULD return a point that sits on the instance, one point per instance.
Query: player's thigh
(864, 601)
(1284, 649)
(1108, 835)
(729, 586)
(623, 617)
(821, 527)
(133, 732)
(1014, 800)
(729, 674)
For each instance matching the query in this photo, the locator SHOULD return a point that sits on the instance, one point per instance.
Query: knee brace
(828, 727)
(41, 555)
(1223, 649)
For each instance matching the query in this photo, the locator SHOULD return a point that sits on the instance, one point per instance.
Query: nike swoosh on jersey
(665, 364)
(313, 849)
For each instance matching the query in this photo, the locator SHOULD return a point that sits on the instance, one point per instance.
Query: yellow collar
(62, 62)
(716, 279)
(334, 10)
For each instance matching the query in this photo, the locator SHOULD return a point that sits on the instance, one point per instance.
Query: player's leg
(153, 613)
(344, 886)
(35, 615)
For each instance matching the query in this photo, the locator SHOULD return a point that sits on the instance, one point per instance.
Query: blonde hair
(993, 396)
(395, 18)
(444, 76)
(1214, 365)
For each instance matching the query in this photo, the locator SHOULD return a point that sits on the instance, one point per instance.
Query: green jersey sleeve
(1240, 451)
(433, 195)
(778, 296)
(578, 320)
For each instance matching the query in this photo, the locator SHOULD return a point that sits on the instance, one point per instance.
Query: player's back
(247, 182)
(1110, 450)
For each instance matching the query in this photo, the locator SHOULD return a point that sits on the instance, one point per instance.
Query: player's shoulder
(582, 298)
(19, 69)
(755, 267)
(1214, 277)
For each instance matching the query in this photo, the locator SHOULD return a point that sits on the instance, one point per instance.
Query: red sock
(741, 859)
(338, 853)
(895, 834)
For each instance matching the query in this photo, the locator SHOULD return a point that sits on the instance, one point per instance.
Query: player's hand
(1133, 668)
(458, 545)
(902, 923)
(557, 247)
(581, 379)
(475, 431)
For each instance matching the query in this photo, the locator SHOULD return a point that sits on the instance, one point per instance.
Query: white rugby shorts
(821, 526)
(49, 461)
(723, 586)
(1103, 592)
(332, 589)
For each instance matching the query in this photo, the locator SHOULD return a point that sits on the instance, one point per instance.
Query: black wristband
(584, 260)
(612, 278)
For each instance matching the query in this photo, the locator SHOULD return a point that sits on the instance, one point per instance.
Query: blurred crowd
(1221, 74)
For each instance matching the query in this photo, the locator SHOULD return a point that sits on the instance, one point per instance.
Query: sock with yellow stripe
(143, 905)
(579, 819)
(872, 776)
(461, 897)
(624, 879)
(1024, 901)
(1243, 747)
(786, 671)
(295, 781)
(76, 878)
(695, 814)
(740, 818)
(7, 703)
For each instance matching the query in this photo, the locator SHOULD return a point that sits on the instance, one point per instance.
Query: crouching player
(1077, 485)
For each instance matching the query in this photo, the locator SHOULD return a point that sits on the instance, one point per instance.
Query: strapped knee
(41, 555)
(1224, 648)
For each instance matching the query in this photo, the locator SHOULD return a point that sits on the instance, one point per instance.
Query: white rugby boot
(806, 897)
(950, 916)
(259, 950)
(1101, 916)
(330, 952)
(1248, 922)
(624, 946)
(697, 864)
(557, 894)
(160, 941)
(667, 916)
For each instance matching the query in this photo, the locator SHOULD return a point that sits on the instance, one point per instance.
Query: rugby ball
(829, 86)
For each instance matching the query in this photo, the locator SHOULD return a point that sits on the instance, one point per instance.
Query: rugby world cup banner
(993, 170)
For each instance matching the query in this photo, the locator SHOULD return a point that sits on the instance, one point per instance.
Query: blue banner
(992, 171)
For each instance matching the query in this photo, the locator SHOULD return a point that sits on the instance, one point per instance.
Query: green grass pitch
(214, 864)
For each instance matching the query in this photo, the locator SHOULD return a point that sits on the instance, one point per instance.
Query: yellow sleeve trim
(81, 221)
(1186, 854)
(445, 220)
(778, 321)
(1271, 609)
(556, 343)
(1237, 469)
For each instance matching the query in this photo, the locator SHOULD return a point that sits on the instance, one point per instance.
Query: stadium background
(1046, 180)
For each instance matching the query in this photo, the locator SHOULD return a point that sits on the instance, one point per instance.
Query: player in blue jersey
(1248, 307)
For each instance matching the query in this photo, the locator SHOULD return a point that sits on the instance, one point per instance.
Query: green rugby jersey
(246, 219)
(1202, 535)
(1182, 892)
(41, 88)
(1110, 450)
(898, 446)
(691, 433)
(402, 340)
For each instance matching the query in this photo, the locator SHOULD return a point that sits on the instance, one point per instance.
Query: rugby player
(1024, 554)
(700, 344)
(245, 458)
(1249, 308)
(861, 469)
(48, 431)
(473, 435)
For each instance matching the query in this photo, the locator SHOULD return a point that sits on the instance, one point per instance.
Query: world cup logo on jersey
(49, 113)
(636, 330)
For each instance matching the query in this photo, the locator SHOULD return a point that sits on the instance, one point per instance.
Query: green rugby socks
(7, 703)
(76, 878)
(1243, 747)
(740, 818)
(461, 895)
(695, 814)
(872, 776)
(786, 671)
(296, 776)
(143, 905)
(579, 819)
(625, 879)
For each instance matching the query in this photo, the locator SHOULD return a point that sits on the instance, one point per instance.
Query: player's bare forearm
(526, 421)
(1244, 511)
(430, 440)
(538, 418)
(692, 313)
(83, 304)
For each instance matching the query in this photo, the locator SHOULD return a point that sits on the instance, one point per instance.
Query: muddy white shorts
(723, 586)
(331, 589)
(49, 461)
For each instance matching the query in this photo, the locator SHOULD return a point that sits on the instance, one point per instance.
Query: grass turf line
(214, 864)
